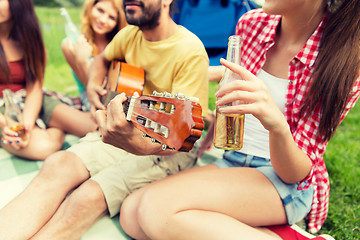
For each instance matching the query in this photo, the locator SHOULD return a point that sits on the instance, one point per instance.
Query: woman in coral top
(300, 69)
(22, 65)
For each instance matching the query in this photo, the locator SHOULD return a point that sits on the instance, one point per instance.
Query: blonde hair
(86, 28)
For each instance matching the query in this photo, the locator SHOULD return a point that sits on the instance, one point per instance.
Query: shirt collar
(268, 37)
(309, 52)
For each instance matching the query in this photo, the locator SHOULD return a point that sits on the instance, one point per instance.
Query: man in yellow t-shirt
(76, 187)
(170, 65)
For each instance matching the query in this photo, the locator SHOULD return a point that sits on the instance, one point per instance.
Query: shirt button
(290, 81)
(293, 61)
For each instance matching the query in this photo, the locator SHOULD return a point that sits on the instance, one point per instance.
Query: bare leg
(204, 203)
(72, 121)
(76, 214)
(29, 212)
(42, 144)
(129, 215)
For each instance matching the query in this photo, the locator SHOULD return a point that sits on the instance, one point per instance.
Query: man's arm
(94, 89)
(119, 132)
(216, 73)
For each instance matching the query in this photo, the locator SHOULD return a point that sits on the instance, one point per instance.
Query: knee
(88, 197)
(128, 219)
(152, 214)
(45, 146)
(64, 166)
(139, 215)
(57, 162)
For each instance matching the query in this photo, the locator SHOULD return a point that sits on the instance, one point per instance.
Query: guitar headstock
(175, 121)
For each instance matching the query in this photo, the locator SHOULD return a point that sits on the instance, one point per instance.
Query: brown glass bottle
(229, 128)
(13, 115)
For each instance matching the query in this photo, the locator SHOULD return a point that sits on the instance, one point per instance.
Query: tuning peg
(153, 140)
(157, 94)
(193, 99)
(168, 95)
(164, 147)
(180, 96)
(144, 135)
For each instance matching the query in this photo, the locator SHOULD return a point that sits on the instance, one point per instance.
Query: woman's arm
(33, 102)
(290, 163)
(97, 74)
(78, 57)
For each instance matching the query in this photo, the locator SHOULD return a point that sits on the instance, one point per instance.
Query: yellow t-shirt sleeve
(115, 49)
(192, 80)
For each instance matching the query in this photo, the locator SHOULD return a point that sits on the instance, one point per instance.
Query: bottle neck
(8, 98)
(65, 15)
(233, 53)
(67, 19)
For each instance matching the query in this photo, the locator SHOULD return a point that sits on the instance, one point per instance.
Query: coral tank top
(17, 77)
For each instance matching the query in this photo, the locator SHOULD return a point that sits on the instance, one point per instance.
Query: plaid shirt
(257, 30)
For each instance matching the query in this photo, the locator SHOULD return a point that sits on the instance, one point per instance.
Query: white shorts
(119, 173)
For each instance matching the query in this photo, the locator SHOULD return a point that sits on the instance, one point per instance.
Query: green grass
(57, 74)
(342, 160)
(342, 156)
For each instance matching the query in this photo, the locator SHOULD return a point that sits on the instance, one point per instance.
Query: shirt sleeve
(115, 49)
(314, 147)
(192, 79)
(353, 98)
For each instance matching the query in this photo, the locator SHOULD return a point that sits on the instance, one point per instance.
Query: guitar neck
(126, 104)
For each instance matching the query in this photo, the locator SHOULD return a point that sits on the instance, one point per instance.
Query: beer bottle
(71, 30)
(13, 115)
(229, 128)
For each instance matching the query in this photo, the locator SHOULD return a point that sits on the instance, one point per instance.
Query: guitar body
(123, 78)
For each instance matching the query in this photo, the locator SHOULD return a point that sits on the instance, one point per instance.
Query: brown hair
(86, 27)
(26, 31)
(336, 68)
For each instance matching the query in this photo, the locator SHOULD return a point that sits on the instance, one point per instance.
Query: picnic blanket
(16, 173)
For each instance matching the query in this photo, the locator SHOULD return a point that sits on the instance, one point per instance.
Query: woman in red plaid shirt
(300, 71)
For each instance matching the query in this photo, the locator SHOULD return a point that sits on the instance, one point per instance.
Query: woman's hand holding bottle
(15, 132)
(14, 138)
(254, 97)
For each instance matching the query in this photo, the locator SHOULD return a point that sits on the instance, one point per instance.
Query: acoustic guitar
(173, 120)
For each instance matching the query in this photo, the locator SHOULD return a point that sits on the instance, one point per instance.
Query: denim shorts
(297, 203)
